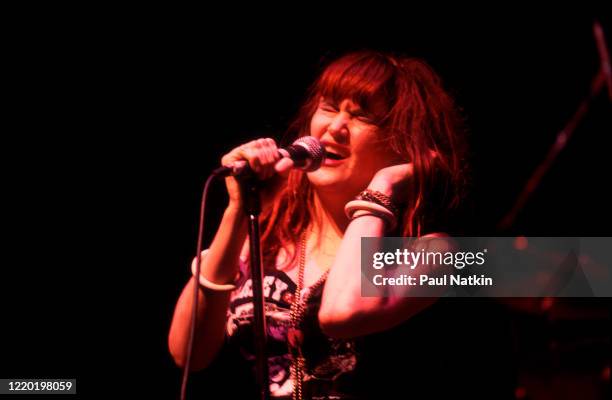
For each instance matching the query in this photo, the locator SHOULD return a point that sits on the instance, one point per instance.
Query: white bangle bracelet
(375, 209)
(211, 285)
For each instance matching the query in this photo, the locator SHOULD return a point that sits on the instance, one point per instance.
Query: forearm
(209, 326)
(342, 298)
(344, 312)
(222, 260)
(219, 266)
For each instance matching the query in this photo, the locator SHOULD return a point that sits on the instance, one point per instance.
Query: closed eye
(365, 118)
(328, 107)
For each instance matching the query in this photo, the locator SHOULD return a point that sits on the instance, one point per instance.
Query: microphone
(307, 154)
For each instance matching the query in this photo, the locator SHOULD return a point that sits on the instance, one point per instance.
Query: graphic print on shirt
(326, 358)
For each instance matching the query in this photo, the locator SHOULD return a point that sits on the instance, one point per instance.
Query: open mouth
(334, 156)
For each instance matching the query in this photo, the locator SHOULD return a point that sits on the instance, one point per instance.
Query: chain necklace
(295, 336)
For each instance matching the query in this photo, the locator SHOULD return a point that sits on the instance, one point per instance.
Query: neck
(329, 209)
(330, 222)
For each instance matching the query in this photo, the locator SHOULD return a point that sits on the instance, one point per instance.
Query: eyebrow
(357, 110)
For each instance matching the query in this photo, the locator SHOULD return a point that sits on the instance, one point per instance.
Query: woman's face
(353, 143)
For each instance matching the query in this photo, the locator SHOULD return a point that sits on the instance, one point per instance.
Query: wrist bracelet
(211, 285)
(379, 198)
(374, 208)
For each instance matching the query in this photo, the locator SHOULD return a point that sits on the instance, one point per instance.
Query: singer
(394, 166)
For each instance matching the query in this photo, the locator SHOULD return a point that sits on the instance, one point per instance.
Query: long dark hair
(421, 125)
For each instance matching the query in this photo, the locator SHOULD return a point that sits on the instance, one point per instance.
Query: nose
(338, 127)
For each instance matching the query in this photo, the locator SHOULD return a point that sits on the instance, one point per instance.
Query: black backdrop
(119, 116)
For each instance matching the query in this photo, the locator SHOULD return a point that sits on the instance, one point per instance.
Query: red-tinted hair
(420, 119)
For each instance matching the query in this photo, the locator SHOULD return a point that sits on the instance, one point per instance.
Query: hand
(393, 181)
(263, 158)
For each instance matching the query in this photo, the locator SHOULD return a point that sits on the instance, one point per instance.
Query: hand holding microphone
(265, 159)
(260, 155)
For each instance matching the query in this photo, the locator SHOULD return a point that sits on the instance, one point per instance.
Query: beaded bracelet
(379, 198)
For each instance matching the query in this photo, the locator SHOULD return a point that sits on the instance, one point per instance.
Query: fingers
(283, 166)
(261, 154)
(393, 181)
(405, 170)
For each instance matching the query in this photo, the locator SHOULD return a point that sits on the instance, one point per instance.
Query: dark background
(116, 118)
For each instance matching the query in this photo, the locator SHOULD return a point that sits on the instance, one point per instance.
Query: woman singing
(394, 142)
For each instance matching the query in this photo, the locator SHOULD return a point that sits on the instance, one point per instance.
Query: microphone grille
(315, 150)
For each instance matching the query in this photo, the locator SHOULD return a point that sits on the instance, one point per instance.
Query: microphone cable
(196, 288)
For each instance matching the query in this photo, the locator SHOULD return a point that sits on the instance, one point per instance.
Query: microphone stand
(308, 154)
(249, 186)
